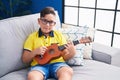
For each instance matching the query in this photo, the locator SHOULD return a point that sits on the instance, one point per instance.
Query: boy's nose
(47, 24)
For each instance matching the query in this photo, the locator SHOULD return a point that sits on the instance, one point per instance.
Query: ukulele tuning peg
(90, 39)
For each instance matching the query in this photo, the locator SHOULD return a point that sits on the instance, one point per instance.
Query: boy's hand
(69, 52)
(40, 50)
(70, 47)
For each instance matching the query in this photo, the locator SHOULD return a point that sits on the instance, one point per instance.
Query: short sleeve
(29, 43)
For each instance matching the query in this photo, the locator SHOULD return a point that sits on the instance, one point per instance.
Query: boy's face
(47, 23)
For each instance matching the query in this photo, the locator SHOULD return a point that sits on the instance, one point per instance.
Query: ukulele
(54, 51)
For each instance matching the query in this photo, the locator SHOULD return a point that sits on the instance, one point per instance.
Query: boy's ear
(38, 20)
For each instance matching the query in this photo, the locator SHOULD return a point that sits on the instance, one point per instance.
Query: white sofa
(13, 32)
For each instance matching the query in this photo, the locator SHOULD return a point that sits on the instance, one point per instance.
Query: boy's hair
(47, 10)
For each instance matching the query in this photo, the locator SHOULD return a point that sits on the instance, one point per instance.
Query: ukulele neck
(62, 47)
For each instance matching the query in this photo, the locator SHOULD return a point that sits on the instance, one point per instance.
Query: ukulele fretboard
(62, 47)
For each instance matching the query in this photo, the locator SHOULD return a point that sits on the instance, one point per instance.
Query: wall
(19, 8)
(38, 5)
(12, 8)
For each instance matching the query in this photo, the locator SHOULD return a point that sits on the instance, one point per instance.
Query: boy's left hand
(69, 52)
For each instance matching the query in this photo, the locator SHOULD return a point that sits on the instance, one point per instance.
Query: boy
(37, 43)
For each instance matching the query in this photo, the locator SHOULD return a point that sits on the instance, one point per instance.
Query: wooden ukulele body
(52, 53)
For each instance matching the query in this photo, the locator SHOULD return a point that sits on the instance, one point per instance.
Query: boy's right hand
(40, 50)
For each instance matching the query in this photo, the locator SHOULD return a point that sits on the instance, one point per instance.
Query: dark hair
(47, 10)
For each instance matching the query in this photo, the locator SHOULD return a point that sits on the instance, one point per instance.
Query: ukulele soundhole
(51, 51)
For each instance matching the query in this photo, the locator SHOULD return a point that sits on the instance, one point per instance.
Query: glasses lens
(45, 21)
(52, 23)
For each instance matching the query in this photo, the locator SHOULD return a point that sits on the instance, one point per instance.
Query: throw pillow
(87, 54)
(75, 33)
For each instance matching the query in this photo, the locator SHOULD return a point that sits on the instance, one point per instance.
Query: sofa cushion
(17, 75)
(92, 70)
(13, 33)
(95, 70)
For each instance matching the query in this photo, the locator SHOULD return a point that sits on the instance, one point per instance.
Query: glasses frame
(45, 22)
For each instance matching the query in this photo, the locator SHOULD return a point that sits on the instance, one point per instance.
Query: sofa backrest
(13, 33)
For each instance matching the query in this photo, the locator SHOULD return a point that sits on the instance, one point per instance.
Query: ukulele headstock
(85, 40)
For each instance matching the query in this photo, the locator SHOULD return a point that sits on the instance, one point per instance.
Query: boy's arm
(28, 56)
(69, 52)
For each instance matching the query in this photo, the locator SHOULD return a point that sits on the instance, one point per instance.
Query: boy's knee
(35, 75)
(70, 71)
(65, 71)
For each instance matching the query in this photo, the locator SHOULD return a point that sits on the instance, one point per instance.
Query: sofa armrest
(106, 54)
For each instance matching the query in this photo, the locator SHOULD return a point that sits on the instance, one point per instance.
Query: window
(106, 4)
(86, 16)
(87, 3)
(71, 15)
(104, 20)
(103, 38)
(117, 25)
(104, 15)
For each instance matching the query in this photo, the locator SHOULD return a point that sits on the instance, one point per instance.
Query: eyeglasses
(45, 22)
